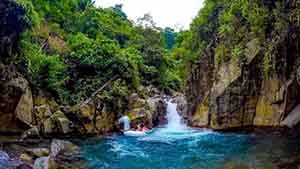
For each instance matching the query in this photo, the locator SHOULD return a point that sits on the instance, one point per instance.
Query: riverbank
(174, 132)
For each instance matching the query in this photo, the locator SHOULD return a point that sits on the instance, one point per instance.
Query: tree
(170, 37)
(146, 21)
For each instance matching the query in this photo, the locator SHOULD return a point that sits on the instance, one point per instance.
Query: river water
(175, 146)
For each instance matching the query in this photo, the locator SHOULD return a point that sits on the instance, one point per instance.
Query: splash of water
(126, 122)
(175, 122)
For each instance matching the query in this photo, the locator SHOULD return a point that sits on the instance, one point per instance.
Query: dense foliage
(72, 48)
(228, 26)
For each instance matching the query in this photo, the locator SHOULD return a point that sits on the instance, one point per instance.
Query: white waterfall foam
(175, 122)
(126, 122)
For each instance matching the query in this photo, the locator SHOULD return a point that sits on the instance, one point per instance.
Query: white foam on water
(174, 130)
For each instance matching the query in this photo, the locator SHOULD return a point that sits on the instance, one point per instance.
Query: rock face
(237, 95)
(181, 102)
(16, 102)
(91, 117)
(15, 94)
(151, 111)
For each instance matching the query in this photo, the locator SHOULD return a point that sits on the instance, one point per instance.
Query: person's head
(142, 125)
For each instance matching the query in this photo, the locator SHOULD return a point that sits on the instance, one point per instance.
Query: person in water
(142, 127)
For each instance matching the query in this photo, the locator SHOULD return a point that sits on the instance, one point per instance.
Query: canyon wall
(235, 94)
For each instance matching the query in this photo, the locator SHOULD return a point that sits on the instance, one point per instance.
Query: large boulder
(105, 122)
(63, 147)
(150, 111)
(92, 117)
(57, 123)
(44, 99)
(15, 101)
(42, 112)
(66, 155)
(82, 115)
(24, 108)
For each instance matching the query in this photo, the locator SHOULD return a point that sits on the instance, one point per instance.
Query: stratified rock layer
(237, 94)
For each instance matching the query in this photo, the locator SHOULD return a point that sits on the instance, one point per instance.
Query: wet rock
(45, 163)
(48, 126)
(157, 109)
(57, 123)
(181, 102)
(42, 112)
(38, 152)
(32, 132)
(66, 155)
(63, 147)
(26, 158)
(137, 109)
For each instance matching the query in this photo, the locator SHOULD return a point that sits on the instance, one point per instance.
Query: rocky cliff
(237, 93)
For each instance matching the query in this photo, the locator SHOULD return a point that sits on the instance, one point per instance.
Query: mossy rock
(201, 117)
(105, 122)
(87, 110)
(139, 103)
(38, 152)
(265, 114)
(26, 158)
(42, 112)
(43, 100)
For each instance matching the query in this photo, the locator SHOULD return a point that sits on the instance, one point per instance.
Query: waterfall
(175, 122)
(126, 122)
